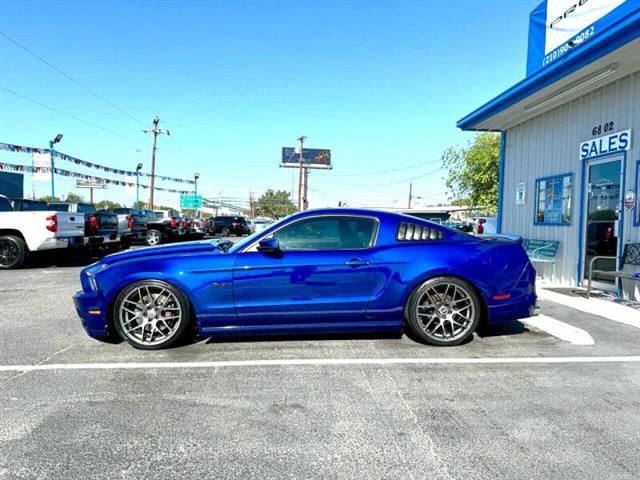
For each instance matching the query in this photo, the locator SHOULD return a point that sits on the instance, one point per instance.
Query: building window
(553, 200)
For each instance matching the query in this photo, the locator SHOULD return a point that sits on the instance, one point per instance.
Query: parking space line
(561, 330)
(318, 362)
(594, 306)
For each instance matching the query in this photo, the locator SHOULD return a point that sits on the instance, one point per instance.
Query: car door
(322, 273)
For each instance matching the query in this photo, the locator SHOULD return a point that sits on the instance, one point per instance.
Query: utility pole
(155, 131)
(410, 188)
(301, 139)
(305, 201)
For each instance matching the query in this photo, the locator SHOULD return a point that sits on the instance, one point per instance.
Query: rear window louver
(413, 232)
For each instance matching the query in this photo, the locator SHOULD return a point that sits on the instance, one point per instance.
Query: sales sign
(612, 143)
(556, 27)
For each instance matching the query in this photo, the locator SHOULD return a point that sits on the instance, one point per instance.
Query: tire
(225, 232)
(151, 315)
(154, 237)
(443, 311)
(13, 252)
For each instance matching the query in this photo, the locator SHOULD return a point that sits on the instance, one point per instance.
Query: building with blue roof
(570, 152)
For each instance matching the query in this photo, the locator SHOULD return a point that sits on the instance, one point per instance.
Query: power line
(379, 172)
(371, 185)
(69, 77)
(78, 119)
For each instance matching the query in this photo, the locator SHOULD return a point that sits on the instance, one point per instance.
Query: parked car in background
(260, 224)
(466, 227)
(23, 232)
(230, 225)
(485, 225)
(162, 226)
(198, 228)
(132, 225)
(100, 226)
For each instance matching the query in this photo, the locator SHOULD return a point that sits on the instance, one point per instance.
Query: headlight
(92, 282)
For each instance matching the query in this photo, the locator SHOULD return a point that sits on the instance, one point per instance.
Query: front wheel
(443, 311)
(154, 237)
(13, 252)
(151, 315)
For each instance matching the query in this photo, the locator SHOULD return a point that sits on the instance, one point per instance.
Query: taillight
(185, 224)
(196, 223)
(130, 221)
(93, 222)
(480, 229)
(52, 223)
(173, 223)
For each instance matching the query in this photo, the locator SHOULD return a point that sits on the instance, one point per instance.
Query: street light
(196, 176)
(52, 153)
(138, 186)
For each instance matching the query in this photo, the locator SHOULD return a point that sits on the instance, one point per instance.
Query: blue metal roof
(625, 31)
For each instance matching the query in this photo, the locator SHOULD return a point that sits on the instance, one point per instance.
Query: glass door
(603, 217)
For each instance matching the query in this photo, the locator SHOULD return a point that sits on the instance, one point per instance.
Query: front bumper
(91, 311)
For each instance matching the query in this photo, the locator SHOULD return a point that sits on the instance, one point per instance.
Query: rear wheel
(151, 315)
(225, 232)
(154, 237)
(444, 311)
(13, 252)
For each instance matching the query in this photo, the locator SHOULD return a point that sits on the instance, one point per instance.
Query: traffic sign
(190, 201)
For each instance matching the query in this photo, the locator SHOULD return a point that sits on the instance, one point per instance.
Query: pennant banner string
(10, 167)
(21, 149)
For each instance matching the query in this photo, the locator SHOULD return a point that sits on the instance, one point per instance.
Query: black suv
(226, 226)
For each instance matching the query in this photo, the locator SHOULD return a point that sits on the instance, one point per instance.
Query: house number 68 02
(606, 127)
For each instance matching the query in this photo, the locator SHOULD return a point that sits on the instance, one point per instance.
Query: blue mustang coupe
(329, 270)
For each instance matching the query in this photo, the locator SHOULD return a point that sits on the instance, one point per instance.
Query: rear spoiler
(502, 238)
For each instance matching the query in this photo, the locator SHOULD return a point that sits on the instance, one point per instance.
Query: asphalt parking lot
(515, 403)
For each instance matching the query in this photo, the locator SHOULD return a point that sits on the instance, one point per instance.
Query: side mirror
(269, 245)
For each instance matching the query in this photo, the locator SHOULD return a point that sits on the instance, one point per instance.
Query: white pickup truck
(23, 232)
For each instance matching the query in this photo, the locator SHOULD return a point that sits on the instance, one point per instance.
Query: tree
(107, 204)
(275, 204)
(74, 198)
(473, 172)
(47, 198)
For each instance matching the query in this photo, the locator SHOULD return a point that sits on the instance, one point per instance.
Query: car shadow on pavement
(514, 327)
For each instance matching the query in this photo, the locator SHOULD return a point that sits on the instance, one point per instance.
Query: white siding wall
(549, 145)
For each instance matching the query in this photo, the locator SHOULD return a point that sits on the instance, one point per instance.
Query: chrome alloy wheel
(445, 311)
(150, 315)
(153, 238)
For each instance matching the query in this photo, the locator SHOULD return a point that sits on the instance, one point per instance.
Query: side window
(327, 233)
(5, 206)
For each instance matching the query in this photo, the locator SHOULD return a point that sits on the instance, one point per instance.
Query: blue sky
(379, 83)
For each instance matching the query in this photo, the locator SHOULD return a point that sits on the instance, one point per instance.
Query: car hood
(164, 250)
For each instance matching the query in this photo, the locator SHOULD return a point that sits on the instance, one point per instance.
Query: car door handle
(356, 262)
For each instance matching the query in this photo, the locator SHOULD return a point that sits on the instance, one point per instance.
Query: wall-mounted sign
(521, 188)
(558, 27)
(612, 143)
(630, 199)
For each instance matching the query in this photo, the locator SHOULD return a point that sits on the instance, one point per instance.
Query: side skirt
(292, 329)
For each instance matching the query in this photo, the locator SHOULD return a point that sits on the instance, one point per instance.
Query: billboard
(558, 26)
(41, 160)
(311, 158)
